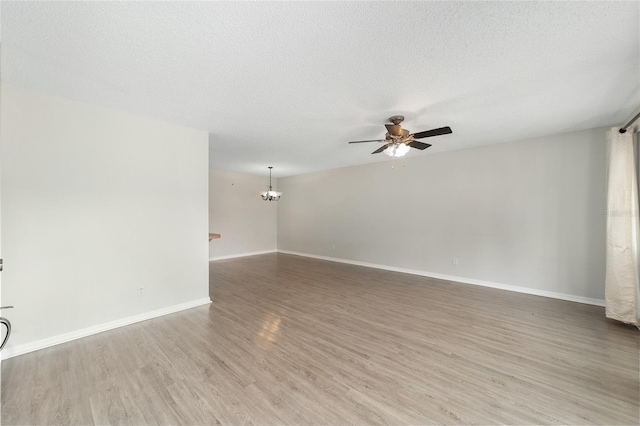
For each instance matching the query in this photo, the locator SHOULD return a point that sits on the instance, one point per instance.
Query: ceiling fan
(398, 140)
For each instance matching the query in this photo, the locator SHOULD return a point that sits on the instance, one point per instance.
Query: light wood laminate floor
(291, 340)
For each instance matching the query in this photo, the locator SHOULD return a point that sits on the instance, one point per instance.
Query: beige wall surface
(529, 214)
(236, 211)
(97, 203)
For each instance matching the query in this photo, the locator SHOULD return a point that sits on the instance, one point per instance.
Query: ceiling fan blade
(377, 140)
(394, 129)
(433, 132)
(419, 145)
(382, 148)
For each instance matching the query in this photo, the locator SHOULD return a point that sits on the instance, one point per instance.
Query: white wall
(96, 203)
(527, 214)
(236, 211)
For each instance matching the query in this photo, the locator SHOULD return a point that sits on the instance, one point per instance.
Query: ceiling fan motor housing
(394, 129)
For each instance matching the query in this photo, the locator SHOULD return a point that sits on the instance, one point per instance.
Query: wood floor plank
(291, 340)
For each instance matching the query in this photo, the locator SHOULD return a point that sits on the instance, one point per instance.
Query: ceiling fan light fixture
(270, 194)
(397, 150)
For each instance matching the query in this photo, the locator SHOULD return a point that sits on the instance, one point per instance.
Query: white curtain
(622, 281)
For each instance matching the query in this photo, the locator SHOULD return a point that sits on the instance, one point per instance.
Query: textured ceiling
(288, 84)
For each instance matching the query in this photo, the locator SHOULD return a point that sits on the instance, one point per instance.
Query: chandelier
(270, 195)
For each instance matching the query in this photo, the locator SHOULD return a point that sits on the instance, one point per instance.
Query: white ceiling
(288, 84)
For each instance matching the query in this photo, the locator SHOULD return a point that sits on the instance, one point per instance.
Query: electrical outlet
(455, 261)
(140, 291)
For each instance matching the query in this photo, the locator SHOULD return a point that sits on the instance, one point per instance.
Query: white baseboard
(232, 256)
(518, 289)
(11, 351)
